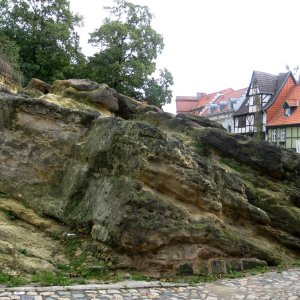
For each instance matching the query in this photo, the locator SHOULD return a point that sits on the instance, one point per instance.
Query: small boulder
(86, 90)
(39, 85)
(204, 122)
(83, 85)
(129, 107)
(59, 87)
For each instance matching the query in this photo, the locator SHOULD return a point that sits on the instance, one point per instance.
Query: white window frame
(282, 135)
(274, 135)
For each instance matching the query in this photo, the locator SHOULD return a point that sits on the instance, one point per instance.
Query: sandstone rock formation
(7, 84)
(157, 193)
(8, 77)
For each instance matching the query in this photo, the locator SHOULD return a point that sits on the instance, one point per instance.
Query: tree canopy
(9, 51)
(128, 47)
(44, 31)
(9, 58)
(39, 38)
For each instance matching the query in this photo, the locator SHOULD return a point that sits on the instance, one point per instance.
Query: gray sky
(211, 45)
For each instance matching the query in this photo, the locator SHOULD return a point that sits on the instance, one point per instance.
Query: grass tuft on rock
(9, 280)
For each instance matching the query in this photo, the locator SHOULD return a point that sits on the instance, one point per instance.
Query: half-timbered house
(263, 90)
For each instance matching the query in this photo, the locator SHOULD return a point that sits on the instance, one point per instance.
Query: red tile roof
(206, 99)
(293, 100)
(225, 98)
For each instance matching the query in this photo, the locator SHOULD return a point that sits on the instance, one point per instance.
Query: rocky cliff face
(160, 193)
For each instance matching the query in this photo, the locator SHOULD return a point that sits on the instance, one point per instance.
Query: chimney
(200, 94)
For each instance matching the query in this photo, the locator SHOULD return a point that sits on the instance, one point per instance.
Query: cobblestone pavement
(273, 285)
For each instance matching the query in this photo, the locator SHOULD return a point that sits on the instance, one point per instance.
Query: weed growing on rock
(48, 278)
(9, 280)
(140, 277)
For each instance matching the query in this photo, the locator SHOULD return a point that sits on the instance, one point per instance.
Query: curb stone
(113, 286)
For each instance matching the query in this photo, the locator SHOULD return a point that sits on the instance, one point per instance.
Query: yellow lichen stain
(8, 84)
(73, 104)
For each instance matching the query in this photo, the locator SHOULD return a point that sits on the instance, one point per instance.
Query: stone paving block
(239, 297)
(47, 294)
(78, 295)
(32, 293)
(63, 293)
(113, 292)
(5, 294)
(102, 292)
(27, 297)
(91, 296)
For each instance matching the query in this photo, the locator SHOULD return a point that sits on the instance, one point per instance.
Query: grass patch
(234, 165)
(48, 279)
(199, 148)
(77, 271)
(11, 281)
(231, 274)
(140, 277)
(296, 264)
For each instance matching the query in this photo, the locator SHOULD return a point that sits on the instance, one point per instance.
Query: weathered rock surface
(7, 84)
(164, 194)
(26, 240)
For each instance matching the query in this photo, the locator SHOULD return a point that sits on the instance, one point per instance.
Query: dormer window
(287, 112)
(290, 106)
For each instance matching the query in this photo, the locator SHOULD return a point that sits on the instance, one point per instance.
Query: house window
(287, 112)
(282, 135)
(274, 135)
(242, 122)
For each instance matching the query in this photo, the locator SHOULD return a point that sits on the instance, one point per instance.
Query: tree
(157, 91)
(44, 32)
(128, 47)
(9, 58)
(9, 51)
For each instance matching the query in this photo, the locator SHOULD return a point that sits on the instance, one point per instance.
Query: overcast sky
(211, 45)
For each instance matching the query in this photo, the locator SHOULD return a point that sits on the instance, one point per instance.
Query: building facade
(283, 127)
(185, 104)
(264, 88)
(223, 107)
(218, 106)
(268, 109)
